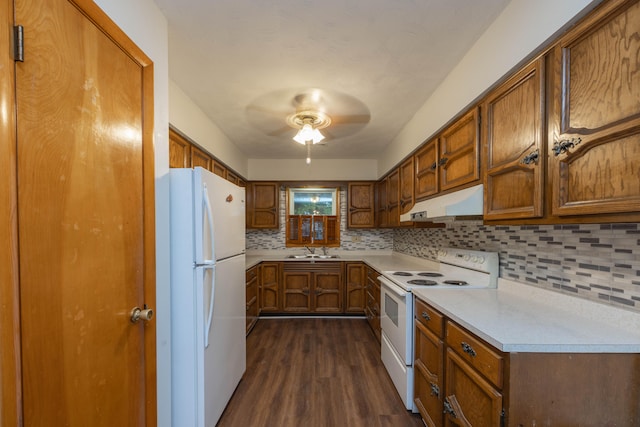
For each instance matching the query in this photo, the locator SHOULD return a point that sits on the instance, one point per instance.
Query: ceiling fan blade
(349, 119)
(284, 129)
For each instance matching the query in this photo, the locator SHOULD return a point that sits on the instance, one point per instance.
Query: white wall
(522, 27)
(152, 39)
(318, 170)
(188, 118)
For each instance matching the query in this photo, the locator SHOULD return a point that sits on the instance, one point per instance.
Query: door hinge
(18, 43)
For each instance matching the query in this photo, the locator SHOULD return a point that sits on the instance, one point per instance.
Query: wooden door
(355, 287)
(200, 158)
(426, 163)
(296, 289)
(428, 375)
(361, 209)
(513, 146)
(459, 161)
(263, 199)
(407, 183)
(393, 198)
(179, 151)
(269, 286)
(218, 168)
(327, 289)
(595, 122)
(382, 215)
(85, 218)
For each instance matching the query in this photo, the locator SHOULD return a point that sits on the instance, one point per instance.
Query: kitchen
(590, 245)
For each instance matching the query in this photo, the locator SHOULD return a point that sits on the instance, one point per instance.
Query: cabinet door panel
(269, 287)
(179, 151)
(200, 158)
(296, 291)
(355, 289)
(426, 163)
(513, 129)
(360, 209)
(594, 127)
(263, 199)
(459, 154)
(429, 364)
(393, 198)
(407, 181)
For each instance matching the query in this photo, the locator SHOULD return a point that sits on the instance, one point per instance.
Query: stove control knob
(480, 260)
(474, 259)
(442, 252)
(466, 257)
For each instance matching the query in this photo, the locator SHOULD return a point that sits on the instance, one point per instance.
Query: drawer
(372, 274)
(429, 317)
(481, 356)
(251, 273)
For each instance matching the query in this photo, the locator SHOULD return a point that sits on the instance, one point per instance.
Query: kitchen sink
(312, 256)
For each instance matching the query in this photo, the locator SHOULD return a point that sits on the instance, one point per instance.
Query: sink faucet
(324, 250)
(311, 250)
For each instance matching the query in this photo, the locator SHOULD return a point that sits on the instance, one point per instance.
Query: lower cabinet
(312, 287)
(461, 380)
(355, 294)
(252, 297)
(372, 307)
(269, 287)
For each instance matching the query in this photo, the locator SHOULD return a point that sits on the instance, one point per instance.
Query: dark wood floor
(315, 373)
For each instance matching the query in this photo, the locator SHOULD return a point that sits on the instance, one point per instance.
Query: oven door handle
(392, 287)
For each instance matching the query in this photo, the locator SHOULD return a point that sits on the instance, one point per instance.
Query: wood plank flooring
(319, 372)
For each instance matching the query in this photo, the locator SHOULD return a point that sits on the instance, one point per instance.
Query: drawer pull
(426, 316)
(531, 158)
(448, 409)
(435, 390)
(560, 147)
(468, 349)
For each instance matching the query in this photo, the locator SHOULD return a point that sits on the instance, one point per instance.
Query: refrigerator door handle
(209, 318)
(209, 215)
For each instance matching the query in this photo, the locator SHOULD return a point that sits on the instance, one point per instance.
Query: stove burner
(422, 282)
(430, 274)
(402, 273)
(456, 282)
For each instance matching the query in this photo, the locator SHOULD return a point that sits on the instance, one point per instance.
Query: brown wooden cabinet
(355, 291)
(317, 230)
(252, 297)
(372, 307)
(382, 214)
(263, 201)
(426, 164)
(594, 135)
(200, 158)
(393, 198)
(459, 154)
(360, 205)
(218, 168)
(179, 151)
(309, 287)
(269, 287)
(513, 151)
(406, 187)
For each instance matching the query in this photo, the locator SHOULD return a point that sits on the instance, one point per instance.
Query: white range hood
(465, 202)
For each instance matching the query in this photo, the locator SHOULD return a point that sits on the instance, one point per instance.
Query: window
(313, 217)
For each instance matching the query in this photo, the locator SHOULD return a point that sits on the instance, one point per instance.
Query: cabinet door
(595, 123)
(200, 158)
(407, 181)
(382, 215)
(263, 199)
(393, 198)
(328, 290)
(179, 151)
(426, 164)
(269, 287)
(355, 289)
(360, 208)
(513, 129)
(332, 229)
(428, 375)
(252, 297)
(218, 169)
(470, 400)
(232, 177)
(296, 290)
(458, 160)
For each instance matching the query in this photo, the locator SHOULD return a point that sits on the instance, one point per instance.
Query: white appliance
(208, 347)
(456, 268)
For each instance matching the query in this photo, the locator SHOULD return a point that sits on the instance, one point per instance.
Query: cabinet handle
(442, 161)
(531, 158)
(435, 390)
(560, 147)
(426, 316)
(448, 409)
(319, 291)
(468, 349)
(305, 291)
(433, 166)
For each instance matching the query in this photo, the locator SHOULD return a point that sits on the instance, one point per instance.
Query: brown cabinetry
(372, 307)
(263, 199)
(200, 158)
(407, 183)
(458, 159)
(513, 146)
(312, 287)
(393, 198)
(360, 205)
(269, 287)
(426, 163)
(382, 215)
(317, 230)
(252, 297)
(594, 133)
(356, 279)
(179, 151)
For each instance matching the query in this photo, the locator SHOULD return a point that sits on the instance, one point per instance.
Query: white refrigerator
(208, 306)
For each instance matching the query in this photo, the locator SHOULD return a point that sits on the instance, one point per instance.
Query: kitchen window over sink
(313, 216)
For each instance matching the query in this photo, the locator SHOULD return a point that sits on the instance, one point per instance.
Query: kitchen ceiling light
(309, 124)
(308, 133)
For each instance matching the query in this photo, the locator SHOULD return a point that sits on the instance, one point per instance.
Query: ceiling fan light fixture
(308, 133)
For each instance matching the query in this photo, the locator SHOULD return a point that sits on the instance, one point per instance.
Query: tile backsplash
(600, 262)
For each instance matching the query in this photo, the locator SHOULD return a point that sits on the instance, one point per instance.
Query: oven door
(396, 307)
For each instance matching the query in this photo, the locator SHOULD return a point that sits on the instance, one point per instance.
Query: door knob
(138, 313)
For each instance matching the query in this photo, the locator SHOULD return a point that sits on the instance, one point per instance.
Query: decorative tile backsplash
(600, 262)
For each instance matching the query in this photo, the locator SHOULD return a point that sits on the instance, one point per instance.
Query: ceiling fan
(308, 116)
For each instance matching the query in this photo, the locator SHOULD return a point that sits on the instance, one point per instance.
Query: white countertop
(521, 318)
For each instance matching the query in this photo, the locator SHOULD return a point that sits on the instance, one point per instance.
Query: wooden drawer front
(479, 355)
(372, 274)
(429, 317)
(428, 385)
(252, 273)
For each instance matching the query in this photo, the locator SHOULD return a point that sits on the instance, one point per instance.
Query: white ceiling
(242, 62)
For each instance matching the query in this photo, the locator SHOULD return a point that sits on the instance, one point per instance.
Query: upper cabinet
(200, 158)
(263, 199)
(382, 215)
(407, 183)
(594, 121)
(360, 207)
(393, 198)
(459, 161)
(426, 163)
(513, 146)
(179, 151)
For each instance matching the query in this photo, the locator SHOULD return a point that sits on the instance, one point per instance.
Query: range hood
(463, 203)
